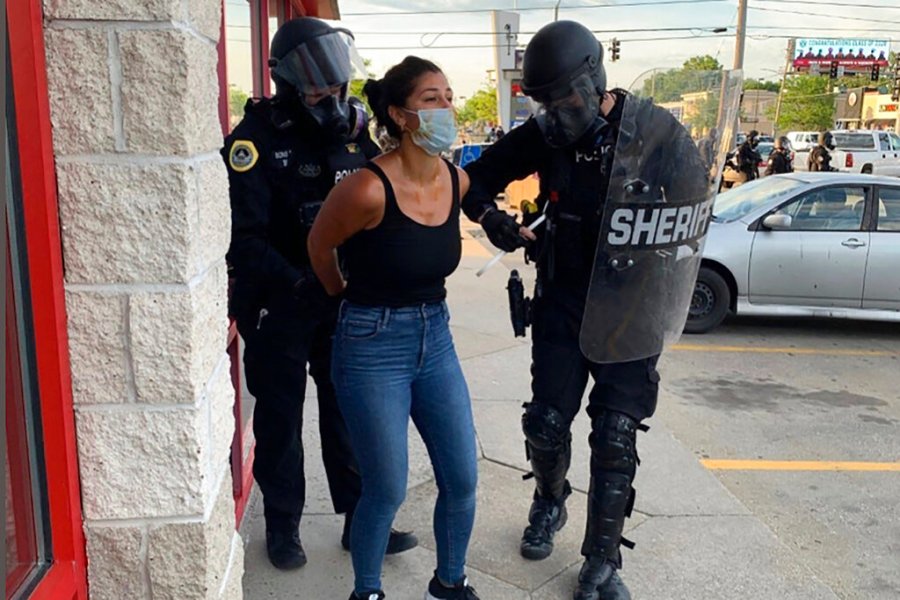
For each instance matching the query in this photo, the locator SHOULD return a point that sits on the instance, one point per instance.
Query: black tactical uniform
(748, 158)
(282, 313)
(573, 180)
(820, 157)
(283, 159)
(780, 160)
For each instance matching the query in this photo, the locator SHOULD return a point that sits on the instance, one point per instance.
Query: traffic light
(614, 50)
(833, 73)
(876, 72)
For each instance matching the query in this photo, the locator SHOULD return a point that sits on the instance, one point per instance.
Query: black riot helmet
(826, 139)
(783, 143)
(563, 72)
(753, 138)
(309, 60)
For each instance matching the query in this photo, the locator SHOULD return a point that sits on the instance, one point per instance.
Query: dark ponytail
(394, 89)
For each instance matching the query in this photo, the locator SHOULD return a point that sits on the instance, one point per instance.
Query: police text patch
(242, 156)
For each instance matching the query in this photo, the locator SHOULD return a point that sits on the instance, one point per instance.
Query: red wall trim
(223, 75)
(45, 268)
(264, 35)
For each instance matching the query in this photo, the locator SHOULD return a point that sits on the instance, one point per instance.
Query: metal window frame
(66, 576)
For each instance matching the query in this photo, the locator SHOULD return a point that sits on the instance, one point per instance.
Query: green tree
(237, 98)
(356, 85)
(697, 74)
(759, 84)
(705, 115)
(481, 106)
(702, 63)
(807, 104)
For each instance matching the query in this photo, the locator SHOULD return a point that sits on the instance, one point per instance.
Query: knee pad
(613, 444)
(545, 427)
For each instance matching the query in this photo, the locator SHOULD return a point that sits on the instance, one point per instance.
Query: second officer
(571, 145)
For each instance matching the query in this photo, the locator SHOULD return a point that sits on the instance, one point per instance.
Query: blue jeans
(390, 364)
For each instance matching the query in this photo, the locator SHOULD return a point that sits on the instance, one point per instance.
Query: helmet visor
(319, 64)
(565, 119)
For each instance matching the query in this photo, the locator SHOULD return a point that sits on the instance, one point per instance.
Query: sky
(460, 42)
(769, 22)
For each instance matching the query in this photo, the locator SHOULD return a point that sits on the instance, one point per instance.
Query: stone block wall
(144, 214)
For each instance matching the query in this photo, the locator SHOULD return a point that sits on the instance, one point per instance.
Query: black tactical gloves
(312, 297)
(502, 229)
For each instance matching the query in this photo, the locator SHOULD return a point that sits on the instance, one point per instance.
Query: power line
(521, 45)
(841, 4)
(530, 8)
(634, 30)
(824, 15)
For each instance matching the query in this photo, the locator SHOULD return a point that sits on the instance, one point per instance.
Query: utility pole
(787, 64)
(740, 35)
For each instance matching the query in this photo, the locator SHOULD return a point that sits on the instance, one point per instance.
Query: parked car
(764, 149)
(803, 141)
(742, 137)
(862, 151)
(802, 244)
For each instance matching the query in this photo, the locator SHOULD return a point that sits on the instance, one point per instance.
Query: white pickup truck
(864, 151)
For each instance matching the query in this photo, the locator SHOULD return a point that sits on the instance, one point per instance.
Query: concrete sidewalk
(694, 539)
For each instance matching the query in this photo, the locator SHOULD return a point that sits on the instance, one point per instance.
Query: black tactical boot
(546, 517)
(598, 580)
(284, 549)
(399, 541)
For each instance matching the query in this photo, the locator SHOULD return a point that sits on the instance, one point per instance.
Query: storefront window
(27, 531)
(278, 14)
(238, 57)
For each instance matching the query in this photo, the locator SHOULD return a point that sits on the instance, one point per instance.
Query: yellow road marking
(797, 465)
(775, 350)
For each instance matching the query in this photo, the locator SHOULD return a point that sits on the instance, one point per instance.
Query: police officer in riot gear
(748, 158)
(571, 143)
(780, 160)
(820, 157)
(283, 159)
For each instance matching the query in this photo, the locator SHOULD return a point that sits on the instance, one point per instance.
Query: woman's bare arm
(356, 203)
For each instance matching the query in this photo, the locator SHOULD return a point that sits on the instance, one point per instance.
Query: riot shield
(658, 207)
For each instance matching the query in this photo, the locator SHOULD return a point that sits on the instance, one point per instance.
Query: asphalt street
(776, 391)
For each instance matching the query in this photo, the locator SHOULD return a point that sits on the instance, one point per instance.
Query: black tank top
(401, 262)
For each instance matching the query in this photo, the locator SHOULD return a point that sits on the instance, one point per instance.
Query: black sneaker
(546, 517)
(599, 580)
(377, 595)
(460, 591)
(284, 549)
(399, 541)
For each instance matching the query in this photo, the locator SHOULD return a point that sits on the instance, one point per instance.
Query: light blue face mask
(437, 130)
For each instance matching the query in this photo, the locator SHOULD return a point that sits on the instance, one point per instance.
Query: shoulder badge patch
(242, 156)
(353, 148)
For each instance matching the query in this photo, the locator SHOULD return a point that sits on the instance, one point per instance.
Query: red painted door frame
(67, 576)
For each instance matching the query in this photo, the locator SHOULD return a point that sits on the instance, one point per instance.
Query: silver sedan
(802, 244)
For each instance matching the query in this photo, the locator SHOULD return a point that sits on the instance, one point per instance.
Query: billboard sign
(854, 55)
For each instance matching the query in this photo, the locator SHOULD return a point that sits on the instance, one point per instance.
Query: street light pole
(556, 10)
